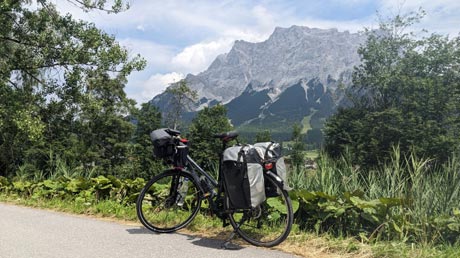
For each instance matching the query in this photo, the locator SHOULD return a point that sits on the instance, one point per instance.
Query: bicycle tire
(160, 207)
(268, 224)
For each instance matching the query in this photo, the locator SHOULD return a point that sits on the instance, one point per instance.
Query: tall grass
(430, 192)
(57, 168)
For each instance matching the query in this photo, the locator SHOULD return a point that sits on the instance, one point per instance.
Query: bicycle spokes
(169, 202)
(269, 223)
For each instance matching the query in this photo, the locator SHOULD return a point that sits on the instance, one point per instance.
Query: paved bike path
(33, 233)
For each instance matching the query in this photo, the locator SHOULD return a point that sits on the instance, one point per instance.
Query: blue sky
(178, 37)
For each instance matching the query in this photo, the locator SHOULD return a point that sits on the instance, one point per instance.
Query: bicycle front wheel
(169, 201)
(268, 224)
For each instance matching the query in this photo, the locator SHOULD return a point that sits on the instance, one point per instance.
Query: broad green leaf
(396, 227)
(4, 181)
(326, 196)
(115, 181)
(306, 196)
(277, 204)
(340, 211)
(51, 184)
(363, 203)
(456, 212)
(390, 202)
(274, 216)
(295, 205)
(454, 227)
(370, 217)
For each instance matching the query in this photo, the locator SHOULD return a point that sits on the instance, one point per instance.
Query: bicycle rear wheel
(169, 201)
(268, 224)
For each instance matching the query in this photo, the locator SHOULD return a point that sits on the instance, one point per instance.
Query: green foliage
(62, 90)
(92, 190)
(5, 184)
(181, 98)
(264, 136)
(404, 93)
(349, 214)
(148, 119)
(298, 146)
(314, 139)
(88, 5)
(397, 201)
(208, 122)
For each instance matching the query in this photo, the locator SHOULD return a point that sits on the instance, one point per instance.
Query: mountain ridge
(255, 75)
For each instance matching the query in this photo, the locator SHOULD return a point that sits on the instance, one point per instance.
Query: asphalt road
(33, 233)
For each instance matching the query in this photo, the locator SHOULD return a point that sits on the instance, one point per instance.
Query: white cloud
(221, 17)
(153, 86)
(158, 56)
(264, 18)
(140, 27)
(196, 58)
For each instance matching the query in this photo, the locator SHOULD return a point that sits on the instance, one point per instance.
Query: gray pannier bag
(270, 152)
(243, 177)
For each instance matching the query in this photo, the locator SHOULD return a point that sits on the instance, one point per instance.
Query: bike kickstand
(228, 242)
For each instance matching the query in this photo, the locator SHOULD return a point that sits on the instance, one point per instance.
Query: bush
(405, 199)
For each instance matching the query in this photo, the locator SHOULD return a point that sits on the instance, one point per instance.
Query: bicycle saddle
(172, 132)
(228, 136)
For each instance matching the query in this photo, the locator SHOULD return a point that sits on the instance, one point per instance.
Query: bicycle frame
(211, 188)
(193, 165)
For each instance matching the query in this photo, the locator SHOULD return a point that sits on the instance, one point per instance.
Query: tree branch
(14, 84)
(10, 39)
(34, 77)
(86, 7)
(29, 44)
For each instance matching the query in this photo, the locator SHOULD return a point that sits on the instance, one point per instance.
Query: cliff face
(259, 76)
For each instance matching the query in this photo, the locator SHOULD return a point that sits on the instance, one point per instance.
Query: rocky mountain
(292, 76)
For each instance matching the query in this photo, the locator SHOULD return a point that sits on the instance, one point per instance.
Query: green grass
(396, 250)
(103, 208)
(429, 212)
(312, 154)
(306, 124)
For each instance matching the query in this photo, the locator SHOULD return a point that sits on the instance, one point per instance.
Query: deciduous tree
(208, 122)
(406, 92)
(62, 87)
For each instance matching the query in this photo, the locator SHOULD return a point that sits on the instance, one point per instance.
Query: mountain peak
(300, 31)
(287, 56)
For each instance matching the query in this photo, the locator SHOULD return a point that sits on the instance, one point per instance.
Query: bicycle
(172, 199)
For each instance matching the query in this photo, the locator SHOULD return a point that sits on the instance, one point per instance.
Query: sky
(178, 37)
